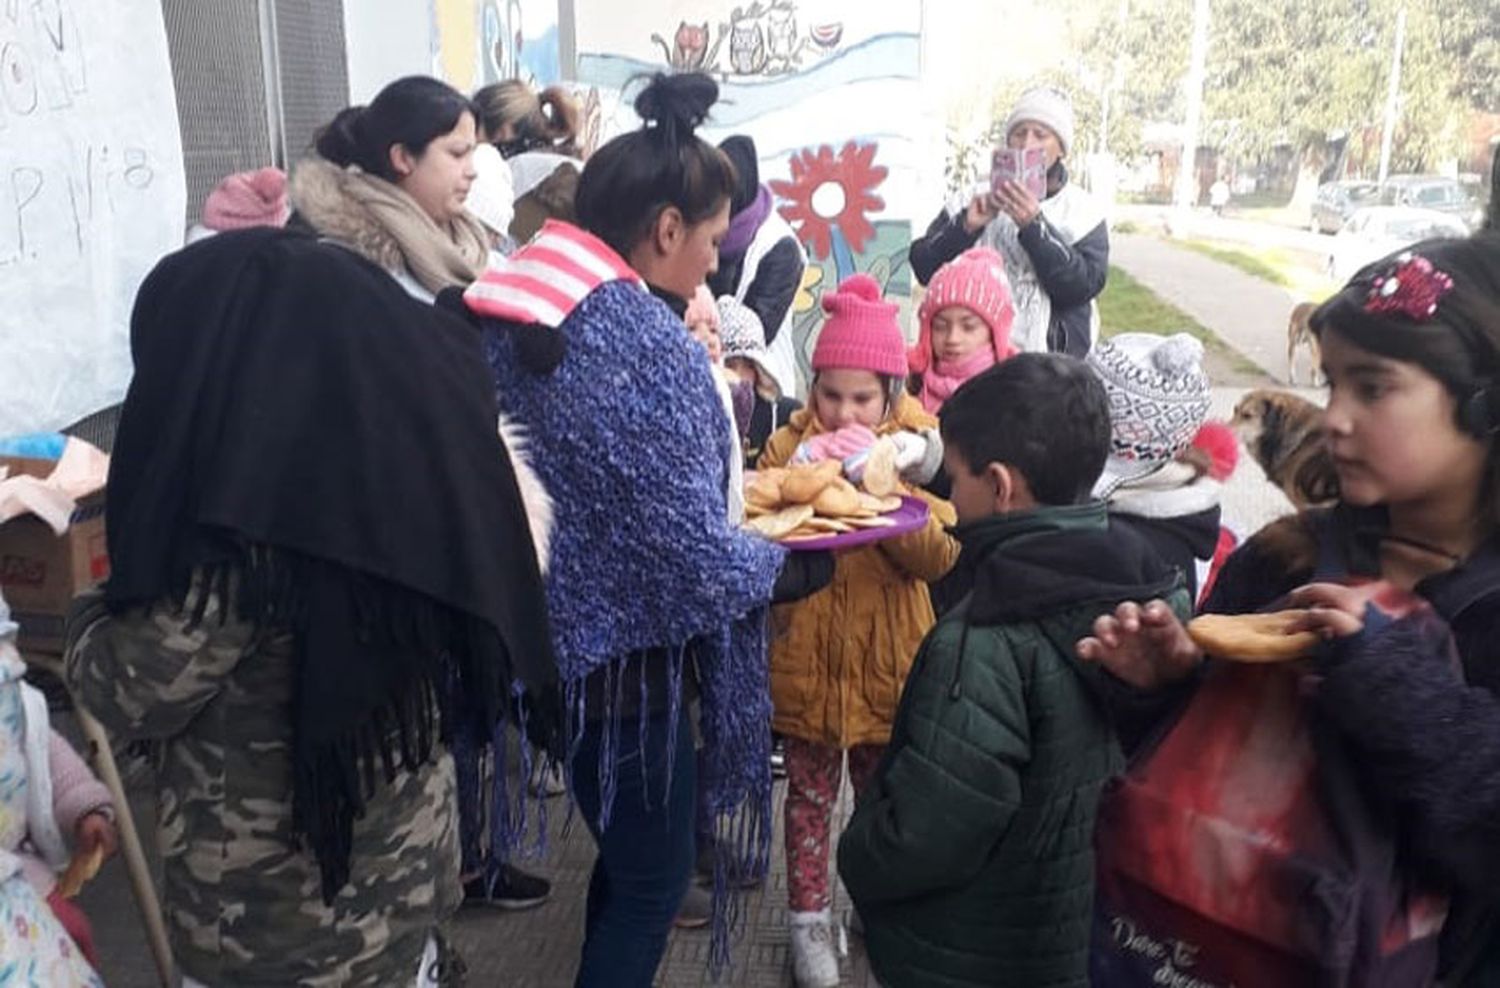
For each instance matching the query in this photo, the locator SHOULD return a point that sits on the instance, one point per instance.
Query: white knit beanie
(742, 336)
(491, 199)
(1048, 107)
(1158, 398)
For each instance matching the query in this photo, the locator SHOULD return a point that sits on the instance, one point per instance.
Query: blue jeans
(645, 854)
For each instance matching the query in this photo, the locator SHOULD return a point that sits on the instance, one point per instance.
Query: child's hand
(96, 829)
(840, 445)
(1334, 611)
(919, 456)
(1146, 647)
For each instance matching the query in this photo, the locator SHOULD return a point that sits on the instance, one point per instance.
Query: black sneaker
(513, 889)
(742, 874)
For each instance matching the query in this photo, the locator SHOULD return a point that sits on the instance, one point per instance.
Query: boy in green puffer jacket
(970, 858)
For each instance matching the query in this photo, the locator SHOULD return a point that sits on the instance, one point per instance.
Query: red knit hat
(247, 199)
(861, 331)
(975, 280)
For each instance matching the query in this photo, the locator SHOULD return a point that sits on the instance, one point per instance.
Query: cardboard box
(40, 572)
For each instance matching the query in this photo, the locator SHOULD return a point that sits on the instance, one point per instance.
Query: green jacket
(970, 856)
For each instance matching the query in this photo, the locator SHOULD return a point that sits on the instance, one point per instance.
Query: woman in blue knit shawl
(654, 597)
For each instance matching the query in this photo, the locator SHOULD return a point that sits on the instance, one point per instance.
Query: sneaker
(697, 909)
(513, 889)
(742, 875)
(815, 959)
(778, 759)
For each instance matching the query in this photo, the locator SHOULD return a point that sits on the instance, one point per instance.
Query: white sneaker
(815, 959)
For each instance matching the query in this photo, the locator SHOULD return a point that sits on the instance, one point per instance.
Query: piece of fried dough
(764, 492)
(879, 505)
(836, 525)
(879, 521)
(880, 469)
(1253, 637)
(837, 499)
(81, 870)
(802, 484)
(779, 524)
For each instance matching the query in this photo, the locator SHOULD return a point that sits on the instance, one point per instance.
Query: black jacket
(1073, 274)
(775, 286)
(1182, 541)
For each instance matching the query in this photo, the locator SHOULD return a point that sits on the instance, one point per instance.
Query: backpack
(1242, 848)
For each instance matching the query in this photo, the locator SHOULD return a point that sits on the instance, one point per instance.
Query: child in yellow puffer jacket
(839, 658)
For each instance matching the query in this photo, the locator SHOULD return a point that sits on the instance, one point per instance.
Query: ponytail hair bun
(411, 112)
(339, 141)
(677, 105)
(629, 182)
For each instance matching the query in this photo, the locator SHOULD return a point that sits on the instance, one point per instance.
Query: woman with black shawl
(324, 567)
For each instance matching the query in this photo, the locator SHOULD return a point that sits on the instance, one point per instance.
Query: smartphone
(1025, 165)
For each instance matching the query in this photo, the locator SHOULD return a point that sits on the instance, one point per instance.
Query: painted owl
(747, 45)
(781, 32)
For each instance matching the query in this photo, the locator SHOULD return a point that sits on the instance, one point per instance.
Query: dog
(1284, 434)
(1299, 334)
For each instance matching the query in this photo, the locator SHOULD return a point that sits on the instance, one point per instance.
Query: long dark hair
(1459, 344)
(629, 181)
(411, 112)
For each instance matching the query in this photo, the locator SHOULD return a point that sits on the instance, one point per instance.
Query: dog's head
(1283, 432)
(1273, 423)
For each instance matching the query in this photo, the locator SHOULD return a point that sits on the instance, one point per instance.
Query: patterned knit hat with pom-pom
(1158, 399)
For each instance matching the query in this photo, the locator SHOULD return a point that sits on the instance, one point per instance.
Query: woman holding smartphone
(1055, 244)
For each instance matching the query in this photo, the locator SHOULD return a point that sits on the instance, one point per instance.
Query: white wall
(386, 39)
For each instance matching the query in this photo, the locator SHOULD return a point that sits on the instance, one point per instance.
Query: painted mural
(830, 200)
(831, 93)
(477, 42)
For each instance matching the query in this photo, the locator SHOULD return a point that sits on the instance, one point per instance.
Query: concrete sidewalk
(1248, 313)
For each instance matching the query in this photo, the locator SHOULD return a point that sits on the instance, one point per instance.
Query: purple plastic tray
(911, 516)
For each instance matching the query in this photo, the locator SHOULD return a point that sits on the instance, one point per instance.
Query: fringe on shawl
(444, 687)
(736, 786)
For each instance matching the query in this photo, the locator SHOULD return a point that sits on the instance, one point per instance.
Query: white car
(1376, 231)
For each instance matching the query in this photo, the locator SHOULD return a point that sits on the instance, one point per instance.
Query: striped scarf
(546, 279)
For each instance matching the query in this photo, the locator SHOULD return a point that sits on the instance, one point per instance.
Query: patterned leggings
(814, 773)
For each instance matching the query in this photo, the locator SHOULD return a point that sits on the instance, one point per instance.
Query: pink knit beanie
(247, 199)
(975, 280)
(861, 331)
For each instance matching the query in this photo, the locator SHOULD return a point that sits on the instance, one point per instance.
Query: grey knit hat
(1048, 107)
(1158, 398)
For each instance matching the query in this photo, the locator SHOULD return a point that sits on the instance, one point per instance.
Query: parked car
(1337, 201)
(1375, 231)
(1445, 195)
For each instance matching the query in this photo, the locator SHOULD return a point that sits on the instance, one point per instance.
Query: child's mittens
(919, 456)
(840, 445)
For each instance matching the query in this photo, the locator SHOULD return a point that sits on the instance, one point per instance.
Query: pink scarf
(943, 378)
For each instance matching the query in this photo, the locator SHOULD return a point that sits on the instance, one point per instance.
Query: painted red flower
(828, 191)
